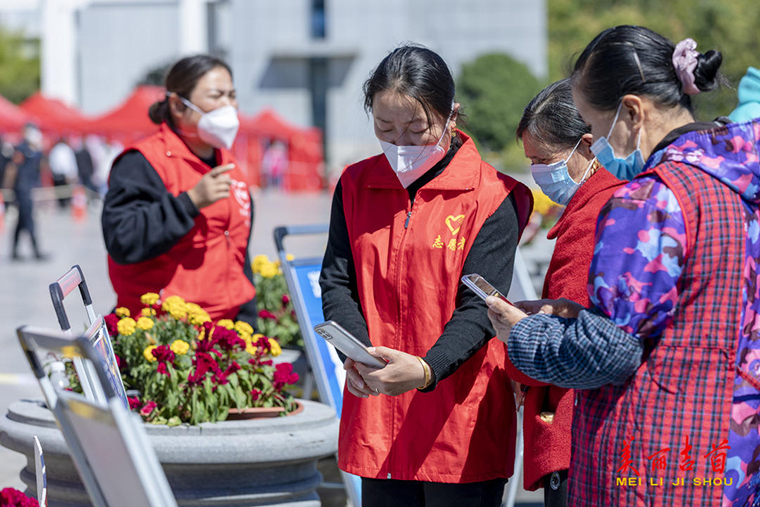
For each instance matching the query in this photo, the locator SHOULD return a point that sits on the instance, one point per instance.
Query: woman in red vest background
(178, 215)
(558, 143)
(436, 426)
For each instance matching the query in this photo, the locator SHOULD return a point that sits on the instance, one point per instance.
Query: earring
(453, 131)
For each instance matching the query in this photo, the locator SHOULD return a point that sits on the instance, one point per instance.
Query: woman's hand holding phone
(403, 372)
(354, 381)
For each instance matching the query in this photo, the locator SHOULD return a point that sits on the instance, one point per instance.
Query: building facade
(306, 59)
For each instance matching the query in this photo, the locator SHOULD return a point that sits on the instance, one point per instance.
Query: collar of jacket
(462, 173)
(176, 147)
(598, 182)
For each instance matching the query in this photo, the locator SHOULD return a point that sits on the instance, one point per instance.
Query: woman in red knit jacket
(557, 142)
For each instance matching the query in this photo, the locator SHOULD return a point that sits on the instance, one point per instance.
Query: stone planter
(233, 463)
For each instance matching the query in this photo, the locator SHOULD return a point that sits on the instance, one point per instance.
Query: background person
(178, 215)
(558, 143)
(24, 175)
(749, 97)
(63, 166)
(436, 426)
(666, 353)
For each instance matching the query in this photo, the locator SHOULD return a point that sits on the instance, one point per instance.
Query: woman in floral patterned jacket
(667, 358)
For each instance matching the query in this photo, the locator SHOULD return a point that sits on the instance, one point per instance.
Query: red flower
(134, 402)
(283, 374)
(227, 339)
(120, 362)
(285, 299)
(204, 363)
(10, 497)
(163, 353)
(232, 368)
(221, 379)
(162, 369)
(266, 314)
(255, 394)
(112, 321)
(148, 408)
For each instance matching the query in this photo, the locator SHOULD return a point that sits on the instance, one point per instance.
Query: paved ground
(24, 297)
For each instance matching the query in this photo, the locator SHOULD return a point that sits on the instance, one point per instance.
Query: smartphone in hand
(347, 343)
(481, 287)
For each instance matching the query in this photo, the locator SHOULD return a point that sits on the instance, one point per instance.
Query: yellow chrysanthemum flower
(149, 298)
(243, 328)
(275, 347)
(175, 306)
(148, 353)
(144, 323)
(226, 323)
(148, 312)
(258, 262)
(250, 349)
(198, 317)
(126, 326)
(269, 270)
(290, 257)
(122, 312)
(541, 203)
(180, 347)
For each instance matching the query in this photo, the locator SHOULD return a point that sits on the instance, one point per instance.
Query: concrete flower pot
(270, 461)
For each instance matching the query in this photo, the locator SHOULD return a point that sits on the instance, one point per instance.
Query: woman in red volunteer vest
(558, 143)
(436, 425)
(665, 358)
(177, 217)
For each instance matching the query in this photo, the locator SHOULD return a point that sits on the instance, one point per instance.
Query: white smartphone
(347, 343)
(481, 287)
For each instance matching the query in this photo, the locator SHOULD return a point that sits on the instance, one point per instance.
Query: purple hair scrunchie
(685, 61)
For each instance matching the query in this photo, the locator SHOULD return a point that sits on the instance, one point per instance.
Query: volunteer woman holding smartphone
(436, 425)
(177, 217)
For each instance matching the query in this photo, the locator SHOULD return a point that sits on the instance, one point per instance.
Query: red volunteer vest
(408, 265)
(206, 265)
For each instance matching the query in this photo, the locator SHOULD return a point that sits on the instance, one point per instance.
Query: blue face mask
(555, 181)
(622, 168)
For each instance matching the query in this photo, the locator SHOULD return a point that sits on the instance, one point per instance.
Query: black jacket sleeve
(141, 219)
(340, 295)
(492, 256)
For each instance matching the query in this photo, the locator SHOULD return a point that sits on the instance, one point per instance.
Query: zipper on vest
(408, 216)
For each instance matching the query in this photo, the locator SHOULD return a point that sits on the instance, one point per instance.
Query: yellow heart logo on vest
(454, 223)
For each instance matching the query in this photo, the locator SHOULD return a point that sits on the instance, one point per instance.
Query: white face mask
(218, 127)
(411, 162)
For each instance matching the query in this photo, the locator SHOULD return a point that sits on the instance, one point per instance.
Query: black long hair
(552, 118)
(633, 59)
(416, 72)
(182, 79)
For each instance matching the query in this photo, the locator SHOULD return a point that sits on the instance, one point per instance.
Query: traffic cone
(78, 203)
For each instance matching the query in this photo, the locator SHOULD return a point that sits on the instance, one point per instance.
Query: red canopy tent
(305, 158)
(129, 121)
(12, 118)
(53, 116)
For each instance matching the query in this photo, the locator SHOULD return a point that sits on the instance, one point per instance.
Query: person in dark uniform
(26, 165)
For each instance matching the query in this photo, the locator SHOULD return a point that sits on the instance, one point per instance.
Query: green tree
(730, 27)
(494, 89)
(19, 66)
